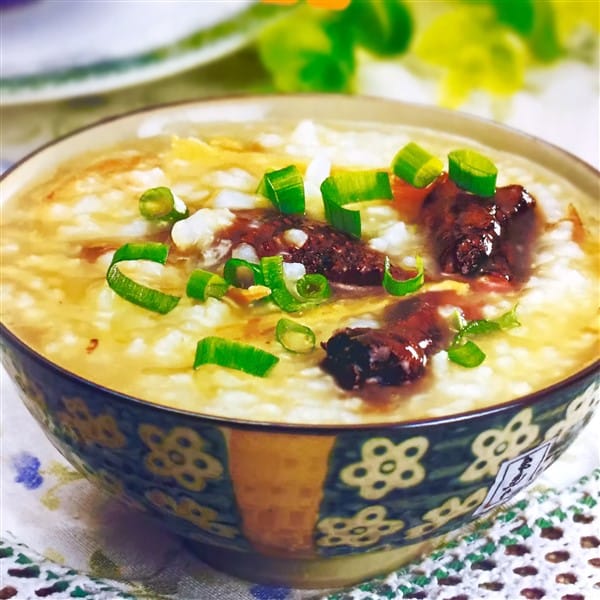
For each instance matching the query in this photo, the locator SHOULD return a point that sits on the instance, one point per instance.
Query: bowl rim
(291, 427)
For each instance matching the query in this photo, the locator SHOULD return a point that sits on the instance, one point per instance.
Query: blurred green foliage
(314, 50)
(476, 44)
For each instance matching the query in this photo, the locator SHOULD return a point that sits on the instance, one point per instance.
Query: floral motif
(365, 528)
(29, 391)
(202, 516)
(493, 446)
(386, 467)
(180, 454)
(577, 411)
(81, 425)
(450, 509)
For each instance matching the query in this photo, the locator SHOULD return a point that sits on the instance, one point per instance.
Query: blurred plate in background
(55, 49)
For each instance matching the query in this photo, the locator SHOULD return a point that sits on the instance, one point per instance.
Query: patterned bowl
(309, 506)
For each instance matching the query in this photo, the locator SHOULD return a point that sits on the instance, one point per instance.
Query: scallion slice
(347, 188)
(416, 166)
(272, 271)
(467, 355)
(234, 355)
(137, 293)
(295, 337)
(472, 172)
(242, 273)
(285, 189)
(313, 287)
(399, 287)
(341, 218)
(159, 204)
(204, 284)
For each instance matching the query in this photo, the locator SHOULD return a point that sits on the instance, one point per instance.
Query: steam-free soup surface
(59, 237)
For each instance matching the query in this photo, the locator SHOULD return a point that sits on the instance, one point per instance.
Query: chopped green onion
(416, 166)
(313, 290)
(234, 267)
(472, 172)
(272, 270)
(356, 186)
(398, 287)
(467, 355)
(234, 355)
(295, 337)
(204, 284)
(313, 287)
(347, 188)
(135, 292)
(159, 204)
(341, 218)
(285, 189)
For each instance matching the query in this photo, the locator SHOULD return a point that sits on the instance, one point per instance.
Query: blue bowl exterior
(381, 486)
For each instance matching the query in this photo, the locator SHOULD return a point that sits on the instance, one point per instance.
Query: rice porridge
(443, 300)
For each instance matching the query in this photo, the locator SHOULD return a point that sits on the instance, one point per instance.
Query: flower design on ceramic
(202, 516)
(386, 466)
(450, 509)
(106, 481)
(576, 412)
(180, 454)
(365, 528)
(29, 391)
(79, 423)
(493, 446)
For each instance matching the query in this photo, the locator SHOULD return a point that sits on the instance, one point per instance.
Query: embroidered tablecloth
(63, 538)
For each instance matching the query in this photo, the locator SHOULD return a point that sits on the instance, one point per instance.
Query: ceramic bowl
(308, 506)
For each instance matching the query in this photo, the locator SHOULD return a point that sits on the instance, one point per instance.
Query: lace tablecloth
(63, 538)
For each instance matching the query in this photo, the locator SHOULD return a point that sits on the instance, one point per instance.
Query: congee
(305, 272)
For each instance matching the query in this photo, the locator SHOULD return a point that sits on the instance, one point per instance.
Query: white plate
(55, 49)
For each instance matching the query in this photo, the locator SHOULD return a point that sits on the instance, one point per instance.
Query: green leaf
(543, 41)
(518, 14)
(476, 50)
(509, 319)
(310, 50)
(467, 355)
(382, 27)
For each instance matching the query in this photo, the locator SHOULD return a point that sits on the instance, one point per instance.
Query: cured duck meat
(392, 355)
(319, 247)
(473, 236)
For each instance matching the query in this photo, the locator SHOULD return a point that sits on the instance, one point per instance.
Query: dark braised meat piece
(338, 256)
(474, 236)
(391, 356)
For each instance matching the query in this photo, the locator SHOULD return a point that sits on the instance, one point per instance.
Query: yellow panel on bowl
(279, 504)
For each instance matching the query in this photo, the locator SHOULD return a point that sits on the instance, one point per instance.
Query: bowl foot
(333, 572)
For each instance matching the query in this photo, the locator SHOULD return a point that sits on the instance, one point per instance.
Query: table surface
(53, 520)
